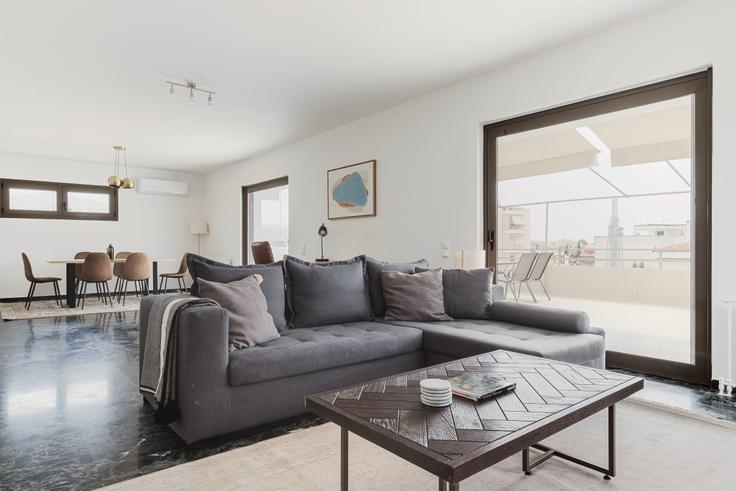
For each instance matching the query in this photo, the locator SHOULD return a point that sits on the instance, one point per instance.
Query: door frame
(700, 86)
(260, 186)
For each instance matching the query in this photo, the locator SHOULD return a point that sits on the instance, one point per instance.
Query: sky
(586, 218)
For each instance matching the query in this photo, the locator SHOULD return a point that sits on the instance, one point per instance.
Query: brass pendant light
(115, 181)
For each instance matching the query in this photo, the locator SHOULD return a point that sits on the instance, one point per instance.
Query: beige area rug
(49, 308)
(656, 450)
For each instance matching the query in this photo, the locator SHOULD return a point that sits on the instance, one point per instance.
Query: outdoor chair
(540, 266)
(518, 274)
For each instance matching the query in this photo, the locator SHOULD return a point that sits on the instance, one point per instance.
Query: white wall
(428, 149)
(156, 225)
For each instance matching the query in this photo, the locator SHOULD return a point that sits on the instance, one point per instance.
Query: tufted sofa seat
(311, 349)
(466, 337)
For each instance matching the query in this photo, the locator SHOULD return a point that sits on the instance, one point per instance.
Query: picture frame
(351, 191)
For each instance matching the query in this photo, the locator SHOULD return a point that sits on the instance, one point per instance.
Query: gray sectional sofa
(220, 391)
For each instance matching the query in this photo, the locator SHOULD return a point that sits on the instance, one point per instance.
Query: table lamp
(322, 234)
(199, 229)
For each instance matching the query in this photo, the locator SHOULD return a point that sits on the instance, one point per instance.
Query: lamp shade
(470, 259)
(199, 228)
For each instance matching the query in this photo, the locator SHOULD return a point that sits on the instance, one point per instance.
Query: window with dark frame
(59, 201)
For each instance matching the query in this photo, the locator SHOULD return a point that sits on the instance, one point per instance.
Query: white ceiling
(78, 76)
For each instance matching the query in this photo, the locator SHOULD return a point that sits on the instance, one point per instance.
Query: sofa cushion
(468, 293)
(467, 337)
(332, 293)
(272, 286)
(306, 350)
(249, 321)
(374, 268)
(414, 297)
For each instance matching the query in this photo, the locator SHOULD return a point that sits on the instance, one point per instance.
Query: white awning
(637, 152)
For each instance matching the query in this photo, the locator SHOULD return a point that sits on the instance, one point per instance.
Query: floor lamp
(199, 229)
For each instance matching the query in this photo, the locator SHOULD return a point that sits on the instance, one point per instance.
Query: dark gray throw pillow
(374, 268)
(273, 286)
(414, 297)
(326, 294)
(250, 322)
(468, 293)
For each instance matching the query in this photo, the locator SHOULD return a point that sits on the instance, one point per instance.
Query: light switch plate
(445, 248)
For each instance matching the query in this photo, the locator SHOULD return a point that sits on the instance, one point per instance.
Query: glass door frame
(261, 186)
(699, 85)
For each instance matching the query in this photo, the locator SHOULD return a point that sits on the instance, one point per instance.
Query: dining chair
(262, 253)
(38, 280)
(179, 276)
(518, 274)
(78, 269)
(540, 266)
(117, 271)
(137, 268)
(97, 270)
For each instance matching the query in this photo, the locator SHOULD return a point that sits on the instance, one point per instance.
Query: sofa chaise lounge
(221, 391)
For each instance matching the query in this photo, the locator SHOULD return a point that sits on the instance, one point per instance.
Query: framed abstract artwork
(351, 191)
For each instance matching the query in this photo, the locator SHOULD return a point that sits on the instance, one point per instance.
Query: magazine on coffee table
(479, 386)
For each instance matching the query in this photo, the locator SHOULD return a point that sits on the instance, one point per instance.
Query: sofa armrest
(547, 318)
(202, 348)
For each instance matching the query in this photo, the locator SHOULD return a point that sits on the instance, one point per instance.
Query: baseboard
(89, 295)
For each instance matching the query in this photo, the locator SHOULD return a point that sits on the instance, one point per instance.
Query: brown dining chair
(262, 253)
(78, 269)
(178, 276)
(117, 271)
(137, 268)
(97, 270)
(35, 281)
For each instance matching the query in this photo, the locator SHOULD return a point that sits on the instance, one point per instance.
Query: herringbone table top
(545, 391)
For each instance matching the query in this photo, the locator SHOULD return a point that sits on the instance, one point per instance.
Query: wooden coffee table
(456, 442)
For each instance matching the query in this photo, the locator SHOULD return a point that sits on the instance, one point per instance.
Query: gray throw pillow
(468, 293)
(414, 297)
(374, 268)
(273, 285)
(332, 293)
(250, 322)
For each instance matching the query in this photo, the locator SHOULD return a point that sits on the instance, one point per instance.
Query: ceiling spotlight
(192, 87)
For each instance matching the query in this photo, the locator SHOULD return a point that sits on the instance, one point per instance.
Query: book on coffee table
(479, 386)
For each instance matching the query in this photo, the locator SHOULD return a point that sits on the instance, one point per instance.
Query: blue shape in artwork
(351, 191)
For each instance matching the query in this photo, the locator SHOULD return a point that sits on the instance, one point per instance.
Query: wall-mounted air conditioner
(146, 185)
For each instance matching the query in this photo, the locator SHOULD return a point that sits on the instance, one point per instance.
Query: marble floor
(71, 416)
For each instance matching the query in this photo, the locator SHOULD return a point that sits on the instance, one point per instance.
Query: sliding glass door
(603, 206)
(266, 217)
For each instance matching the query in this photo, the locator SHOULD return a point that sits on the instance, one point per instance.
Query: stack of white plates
(435, 392)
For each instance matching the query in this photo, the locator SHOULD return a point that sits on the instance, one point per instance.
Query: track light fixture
(192, 87)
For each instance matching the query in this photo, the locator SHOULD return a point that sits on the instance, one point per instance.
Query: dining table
(71, 291)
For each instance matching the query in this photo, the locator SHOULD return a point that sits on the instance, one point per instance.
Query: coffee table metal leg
(528, 463)
(525, 461)
(611, 442)
(343, 459)
(454, 486)
(443, 484)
